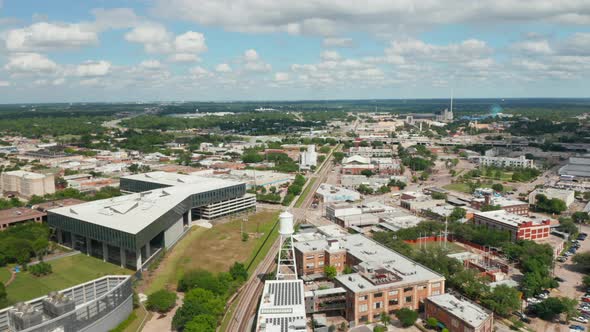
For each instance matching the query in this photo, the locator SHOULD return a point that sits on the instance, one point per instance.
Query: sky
(223, 50)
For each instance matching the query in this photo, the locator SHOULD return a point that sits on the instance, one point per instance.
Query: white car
(581, 320)
(533, 300)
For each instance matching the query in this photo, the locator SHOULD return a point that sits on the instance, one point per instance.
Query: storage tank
(286, 223)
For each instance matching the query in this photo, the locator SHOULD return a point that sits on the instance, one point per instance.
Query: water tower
(286, 267)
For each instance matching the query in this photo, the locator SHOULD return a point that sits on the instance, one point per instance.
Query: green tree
(385, 318)
(432, 322)
(457, 214)
(330, 272)
(549, 308)
(580, 217)
(384, 190)
(3, 295)
(582, 260)
(503, 300)
(567, 225)
(498, 187)
(338, 156)
(161, 301)
(364, 189)
(201, 323)
(198, 302)
(238, 271)
(407, 316)
(586, 281)
(367, 172)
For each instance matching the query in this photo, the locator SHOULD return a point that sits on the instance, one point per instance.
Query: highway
(247, 300)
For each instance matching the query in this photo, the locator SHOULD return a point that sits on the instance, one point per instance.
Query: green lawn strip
(305, 192)
(460, 187)
(67, 272)
(4, 274)
(227, 316)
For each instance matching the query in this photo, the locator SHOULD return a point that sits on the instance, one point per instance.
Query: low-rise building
(19, 215)
(329, 193)
(459, 314)
(521, 161)
(568, 196)
(282, 307)
(27, 184)
(368, 152)
(578, 167)
(383, 281)
(507, 204)
(520, 227)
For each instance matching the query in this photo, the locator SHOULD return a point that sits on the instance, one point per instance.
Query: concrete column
(123, 257)
(88, 246)
(148, 250)
(60, 239)
(105, 252)
(138, 260)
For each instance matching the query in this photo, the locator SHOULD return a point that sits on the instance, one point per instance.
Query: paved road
(247, 300)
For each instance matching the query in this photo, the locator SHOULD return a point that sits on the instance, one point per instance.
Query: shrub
(407, 316)
(161, 301)
(40, 269)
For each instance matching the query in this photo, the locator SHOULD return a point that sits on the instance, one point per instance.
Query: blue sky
(139, 50)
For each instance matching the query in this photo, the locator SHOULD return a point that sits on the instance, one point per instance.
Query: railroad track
(247, 300)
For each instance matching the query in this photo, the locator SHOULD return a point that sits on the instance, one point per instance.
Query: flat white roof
(282, 306)
(132, 213)
(372, 254)
(465, 310)
(25, 174)
(504, 217)
(173, 179)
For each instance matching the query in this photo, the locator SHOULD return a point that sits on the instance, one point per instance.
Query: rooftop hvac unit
(24, 316)
(57, 304)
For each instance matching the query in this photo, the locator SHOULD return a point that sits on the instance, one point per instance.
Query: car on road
(575, 328)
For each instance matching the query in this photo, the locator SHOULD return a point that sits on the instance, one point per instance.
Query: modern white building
(282, 307)
(128, 230)
(309, 158)
(329, 193)
(577, 167)
(503, 161)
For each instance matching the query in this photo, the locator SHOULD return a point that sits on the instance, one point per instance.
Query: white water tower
(286, 266)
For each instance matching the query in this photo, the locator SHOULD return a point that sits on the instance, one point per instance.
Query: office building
(382, 281)
(576, 167)
(520, 227)
(128, 230)
(329, 193)
(309, 158)
(520, 162)
(458, 314)
(27, 184)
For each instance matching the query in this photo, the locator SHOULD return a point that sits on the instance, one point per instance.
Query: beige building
(27, 184)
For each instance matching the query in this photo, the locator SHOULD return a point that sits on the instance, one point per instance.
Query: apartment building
(520, 227)
(382, 279)
(567, 196)
(27, 184)
(459, 314)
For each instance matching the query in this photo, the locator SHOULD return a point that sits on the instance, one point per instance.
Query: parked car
(561, 259)
(576, 328)
(542, 296)
(519, 314)
(581, 319)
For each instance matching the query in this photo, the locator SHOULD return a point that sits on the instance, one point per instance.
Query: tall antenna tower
(286, 266)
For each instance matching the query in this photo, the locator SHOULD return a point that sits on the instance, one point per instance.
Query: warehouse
(128, 230)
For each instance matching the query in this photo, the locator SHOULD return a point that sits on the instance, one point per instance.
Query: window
(454, 322)
(363, 298)
(393, 293)
(408, 299)
(393, 302)
(320, 263)
(408, 289)
(363, 308)
(364, 318)
(309, 257)
(377, 305)
(436, 292)
(377, 295)
(436, 284)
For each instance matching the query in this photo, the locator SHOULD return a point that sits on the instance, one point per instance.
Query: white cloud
(49, 36)
(281, 77)
(577, 44)
(4, 83)
(30, 63)
(154, 37)
(533, 47)
(330, 56)
(190, 42)
(93, 68)
(223, 68)
(330, 16)
(199, 72)
(116, 18)
(253, 63)
(337, 42)
(151, 64)
(183, 57)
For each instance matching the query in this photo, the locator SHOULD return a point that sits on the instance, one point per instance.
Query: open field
(214, 249)
(459, 187)
(67, 272)
(4, 274)
(452, 247)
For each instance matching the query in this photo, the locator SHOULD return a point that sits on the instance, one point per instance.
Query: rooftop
(463, 309)
(25, 174)
(17, 214)
(508, 218)
(282, 306)
(132, 213)
(167, 178)
(374, 257)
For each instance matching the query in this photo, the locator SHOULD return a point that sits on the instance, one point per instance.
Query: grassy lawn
(460, 187)
(305, 192)
(4, 274)
(67, 272)
(452, 247)
(140, 315)
(214, 249)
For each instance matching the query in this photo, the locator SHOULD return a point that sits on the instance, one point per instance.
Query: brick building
(458, 314)
(520, 227)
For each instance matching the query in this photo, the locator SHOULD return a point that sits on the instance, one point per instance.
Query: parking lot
(572, 287)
